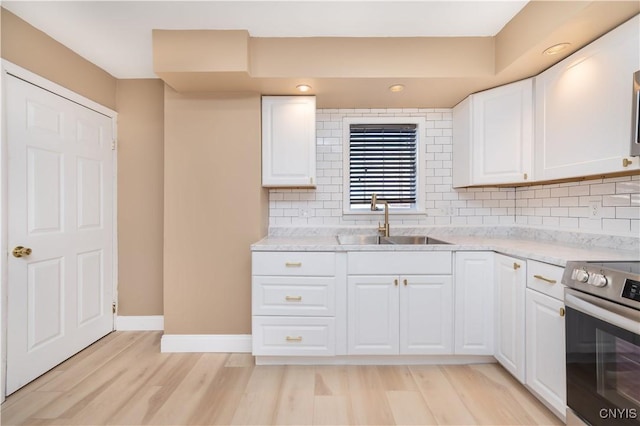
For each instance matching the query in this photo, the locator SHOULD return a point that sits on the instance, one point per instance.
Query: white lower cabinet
(399, 303)
(546, 349)
(474, 301)
(294, 303)
(510, 283)
(402, 314)
(545, 335)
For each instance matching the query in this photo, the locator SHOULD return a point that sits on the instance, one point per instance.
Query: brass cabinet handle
(405, 282)
(395, 282)
(626, 162)
(293, 298)
(516, 265)
(293, 264)
(549, 280)
(526, 176)
(294, 339)
(21, 251)
(562, 312)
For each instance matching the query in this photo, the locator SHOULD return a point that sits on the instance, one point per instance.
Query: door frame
(32, 78)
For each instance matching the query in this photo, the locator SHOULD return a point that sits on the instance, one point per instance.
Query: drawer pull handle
(294, 339)
(293, 264)
(516, 265)
(405, 282)
(549, 280)
(293, 298)
(562, 312)
(395, 282)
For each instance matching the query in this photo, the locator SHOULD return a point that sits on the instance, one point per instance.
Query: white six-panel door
(60, 205)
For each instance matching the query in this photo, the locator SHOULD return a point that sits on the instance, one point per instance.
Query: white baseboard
(206, 343)
(140, 323)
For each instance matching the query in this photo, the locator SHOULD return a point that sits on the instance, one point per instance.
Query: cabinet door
(510, 276)
(583, 108)
(474, 313)
(461, 165)
(288, 141)
(372, 318)
(426, 314)
(546, 349)
(502, 134)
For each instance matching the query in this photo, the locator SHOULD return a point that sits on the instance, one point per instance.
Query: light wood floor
(123, 379)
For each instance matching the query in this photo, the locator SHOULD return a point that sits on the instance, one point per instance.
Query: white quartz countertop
(553, 253)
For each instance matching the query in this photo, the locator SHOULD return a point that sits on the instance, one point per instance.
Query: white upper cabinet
(493, 136)
(583, 108)
(289, 141)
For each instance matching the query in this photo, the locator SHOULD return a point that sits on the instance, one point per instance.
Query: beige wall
(214, 208)
(32, 49)
(140, 106)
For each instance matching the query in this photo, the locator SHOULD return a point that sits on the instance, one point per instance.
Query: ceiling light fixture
(397, 88)
(556, 48)
(303, 88)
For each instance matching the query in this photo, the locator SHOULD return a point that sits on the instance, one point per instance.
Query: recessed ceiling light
(556, 48)
(303, 88)
(397, 88)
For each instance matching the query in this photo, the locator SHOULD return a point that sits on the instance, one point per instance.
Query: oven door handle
(609, 312)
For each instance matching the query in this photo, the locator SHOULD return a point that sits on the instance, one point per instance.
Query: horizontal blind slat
(383, 160)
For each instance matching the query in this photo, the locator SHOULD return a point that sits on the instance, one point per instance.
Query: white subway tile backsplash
(564, 205)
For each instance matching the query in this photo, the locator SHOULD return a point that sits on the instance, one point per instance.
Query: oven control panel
(583, 276)
(631, 290)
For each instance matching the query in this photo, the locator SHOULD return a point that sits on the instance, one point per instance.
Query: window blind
(382, 159)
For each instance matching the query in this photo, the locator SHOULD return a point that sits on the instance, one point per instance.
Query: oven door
(603, 360)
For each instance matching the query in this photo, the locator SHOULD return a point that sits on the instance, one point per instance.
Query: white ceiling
(116, 35)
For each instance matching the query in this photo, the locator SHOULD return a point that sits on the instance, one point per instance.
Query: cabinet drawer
(300, 296)
(405, 263)
(293, 263)
(293, 336)
(545, 278)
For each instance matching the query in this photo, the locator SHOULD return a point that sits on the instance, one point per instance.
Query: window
(382, 157)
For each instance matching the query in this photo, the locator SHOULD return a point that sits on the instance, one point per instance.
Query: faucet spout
(384, 229)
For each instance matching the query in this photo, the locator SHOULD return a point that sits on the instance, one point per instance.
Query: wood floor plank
(86, 362)
(26, 406)
(240, 360)
(368, 400)
(332, 410)
(296, 396)
(125, 380)
(187, 395)
(529, 403)
(409, 408)
(91, 387)
(222, 397)
(137, 404)
(440, 396)
(491, 402)
(396, 377)
(258, 403)
(331, 380)
(126, 389)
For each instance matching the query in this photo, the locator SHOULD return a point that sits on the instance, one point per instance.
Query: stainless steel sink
(410, 239)
(397, 239)
(358, 239)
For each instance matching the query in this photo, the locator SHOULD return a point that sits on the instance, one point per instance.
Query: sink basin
(358, 239)
(396, 239)
(410, 239)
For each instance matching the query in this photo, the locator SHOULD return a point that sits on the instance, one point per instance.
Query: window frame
(420, 123)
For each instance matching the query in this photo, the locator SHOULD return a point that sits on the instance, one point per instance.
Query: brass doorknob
(21, 251)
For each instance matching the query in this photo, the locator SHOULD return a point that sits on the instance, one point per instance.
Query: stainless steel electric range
(603, 342)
